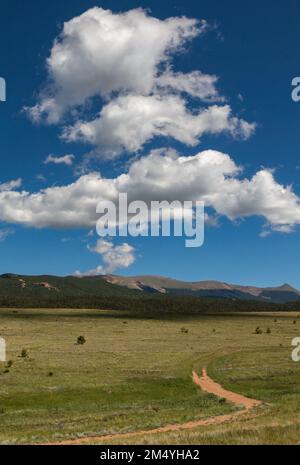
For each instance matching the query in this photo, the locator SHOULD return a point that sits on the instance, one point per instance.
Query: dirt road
(207, 385)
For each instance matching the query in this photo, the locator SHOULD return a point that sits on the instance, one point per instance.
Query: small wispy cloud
(4, 233)
(40, 177)
(14, 184)
(63, 160)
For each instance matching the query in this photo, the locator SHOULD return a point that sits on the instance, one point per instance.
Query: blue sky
(253, 51)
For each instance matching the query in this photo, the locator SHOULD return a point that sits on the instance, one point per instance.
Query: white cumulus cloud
(113, 257)
(99, 52)
(123, 64)
(210, 176)
(128, 122)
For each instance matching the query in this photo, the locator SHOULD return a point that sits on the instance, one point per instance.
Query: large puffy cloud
(71, 206)
(113, 257)
(122, 62)
(128, 122)
(210, 176)
(214, 178)
(99, 53)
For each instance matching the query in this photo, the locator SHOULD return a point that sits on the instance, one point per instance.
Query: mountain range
(160, 284)
(135, 286)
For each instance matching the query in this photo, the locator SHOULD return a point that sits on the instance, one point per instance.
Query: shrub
(268, 331)
(81, 340)
(184, 330)
(24, 353)
(258, 330)
(50, 374)
(9, 364)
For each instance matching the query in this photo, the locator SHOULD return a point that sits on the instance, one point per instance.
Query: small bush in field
(9, 364)
(81, 340)
(24, 353)
(258, 330)
(184, 330)
(50, 374)
(268, 331)
(295, 322)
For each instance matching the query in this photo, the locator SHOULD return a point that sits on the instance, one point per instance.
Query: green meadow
(134, 373)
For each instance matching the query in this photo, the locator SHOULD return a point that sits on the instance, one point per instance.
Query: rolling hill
(55, 286)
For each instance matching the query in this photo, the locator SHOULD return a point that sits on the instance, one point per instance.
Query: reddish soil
(208, 385)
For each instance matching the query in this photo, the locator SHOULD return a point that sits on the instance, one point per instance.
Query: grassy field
(135, 373)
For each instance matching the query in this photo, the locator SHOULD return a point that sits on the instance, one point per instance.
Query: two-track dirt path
(207, 385)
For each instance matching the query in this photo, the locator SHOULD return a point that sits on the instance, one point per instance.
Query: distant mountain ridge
(56, 287)
(163, 285)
